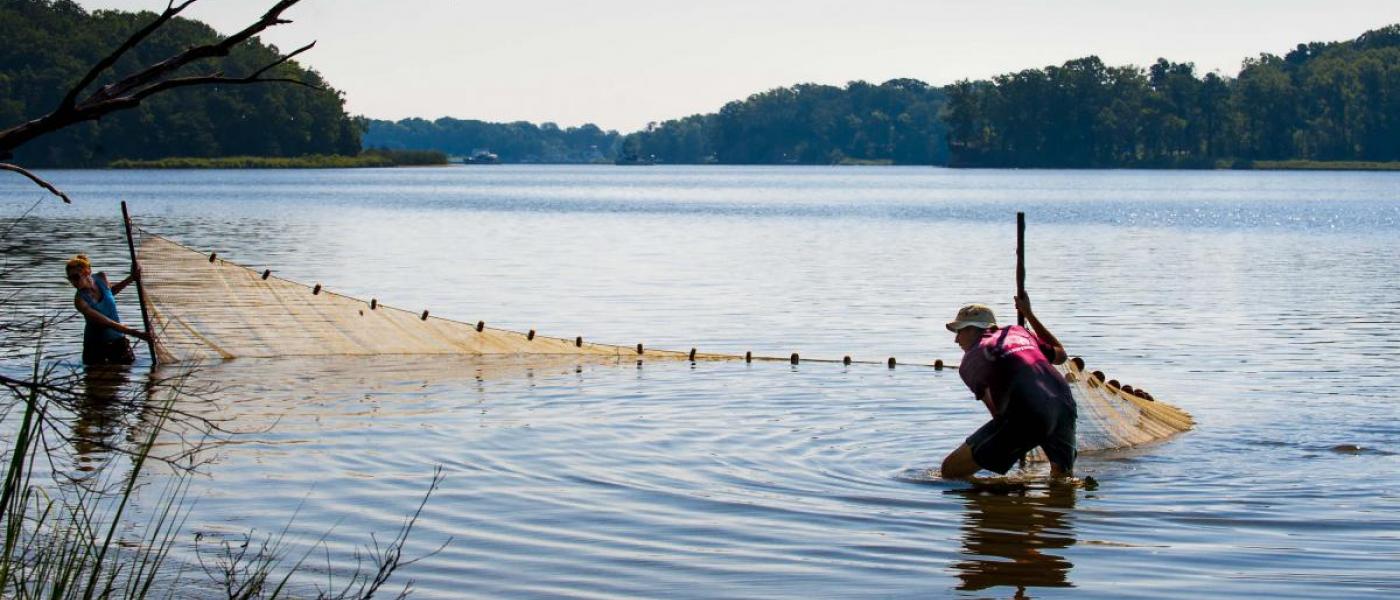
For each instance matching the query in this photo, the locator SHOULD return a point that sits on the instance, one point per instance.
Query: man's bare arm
(1023, 304)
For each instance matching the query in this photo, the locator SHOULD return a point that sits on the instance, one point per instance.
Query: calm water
(1266, 304)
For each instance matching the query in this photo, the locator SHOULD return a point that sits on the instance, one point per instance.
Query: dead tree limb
(37, 180)
(71, 98)
(131, 90)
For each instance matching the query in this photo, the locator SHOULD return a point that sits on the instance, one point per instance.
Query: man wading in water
(1010, 370)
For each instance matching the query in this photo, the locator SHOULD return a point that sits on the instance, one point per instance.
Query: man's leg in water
(959, 464)
(1060, 447)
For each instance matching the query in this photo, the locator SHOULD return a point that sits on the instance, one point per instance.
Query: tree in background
(894, 122)
(175, 87)
(518, 142)
(1322, 101)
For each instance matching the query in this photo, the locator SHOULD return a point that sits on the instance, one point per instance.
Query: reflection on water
(99, 417)
(1016, 537)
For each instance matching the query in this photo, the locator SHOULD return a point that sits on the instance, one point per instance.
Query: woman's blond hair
(78, 262)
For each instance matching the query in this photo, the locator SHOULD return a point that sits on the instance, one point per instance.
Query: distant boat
(632, 160)
(482, 157)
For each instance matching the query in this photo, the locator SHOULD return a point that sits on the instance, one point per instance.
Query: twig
(37, 180)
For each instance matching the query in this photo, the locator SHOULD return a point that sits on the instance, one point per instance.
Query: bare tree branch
(106, 63)
(209, 80)
(169, 66)
(37, 180)
(131, 90)
(282, 60)
(216, 79)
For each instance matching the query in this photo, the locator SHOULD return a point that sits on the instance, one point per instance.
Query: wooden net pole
(140, 291)
(1020, 263)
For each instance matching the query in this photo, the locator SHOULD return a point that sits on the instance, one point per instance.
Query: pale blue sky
(623, 63)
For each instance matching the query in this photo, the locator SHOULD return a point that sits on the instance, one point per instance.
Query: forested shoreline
(1321, 102)
(896, 122)
(1321, 105)
(519, 142)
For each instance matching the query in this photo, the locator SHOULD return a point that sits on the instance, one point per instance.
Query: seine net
(203, 307)
(1113, 416)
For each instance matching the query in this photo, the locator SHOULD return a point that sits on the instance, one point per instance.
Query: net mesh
(1114, 416)
(206, 308)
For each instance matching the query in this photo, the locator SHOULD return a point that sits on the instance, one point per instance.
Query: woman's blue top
(96, 332)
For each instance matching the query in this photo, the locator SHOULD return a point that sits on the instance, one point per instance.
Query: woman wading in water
(104, 336)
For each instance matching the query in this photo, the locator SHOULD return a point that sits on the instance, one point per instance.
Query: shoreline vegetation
(1320, 165)
(366, 159)
(1320, 105)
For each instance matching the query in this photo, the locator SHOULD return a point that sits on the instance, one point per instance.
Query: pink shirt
(1004, 356)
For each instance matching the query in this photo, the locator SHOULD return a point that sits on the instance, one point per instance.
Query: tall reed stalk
(64, 544)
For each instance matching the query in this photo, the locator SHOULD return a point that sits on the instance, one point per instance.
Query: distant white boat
(482, 157)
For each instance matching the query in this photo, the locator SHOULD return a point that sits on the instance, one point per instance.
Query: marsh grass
(1316, 165)
(373, 158)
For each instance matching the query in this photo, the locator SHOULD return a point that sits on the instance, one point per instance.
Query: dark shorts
(1003, 441)
(111, 352)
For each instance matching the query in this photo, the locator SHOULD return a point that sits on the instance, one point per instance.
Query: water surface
(1263, 303)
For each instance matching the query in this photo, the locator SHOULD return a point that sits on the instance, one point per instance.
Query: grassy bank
(366, 159)
(865, 162)
(1316, 165)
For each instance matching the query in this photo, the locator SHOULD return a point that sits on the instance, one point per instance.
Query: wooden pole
(140, 290)
(1020, 263)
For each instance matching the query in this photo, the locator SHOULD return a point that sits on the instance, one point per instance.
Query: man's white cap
(973, 315)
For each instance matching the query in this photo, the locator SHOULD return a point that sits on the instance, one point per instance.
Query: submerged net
(203, 307)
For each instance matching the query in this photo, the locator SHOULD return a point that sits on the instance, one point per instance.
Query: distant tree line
(47, 45)
(893, 122)
(1335, 101)
(518, 142)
